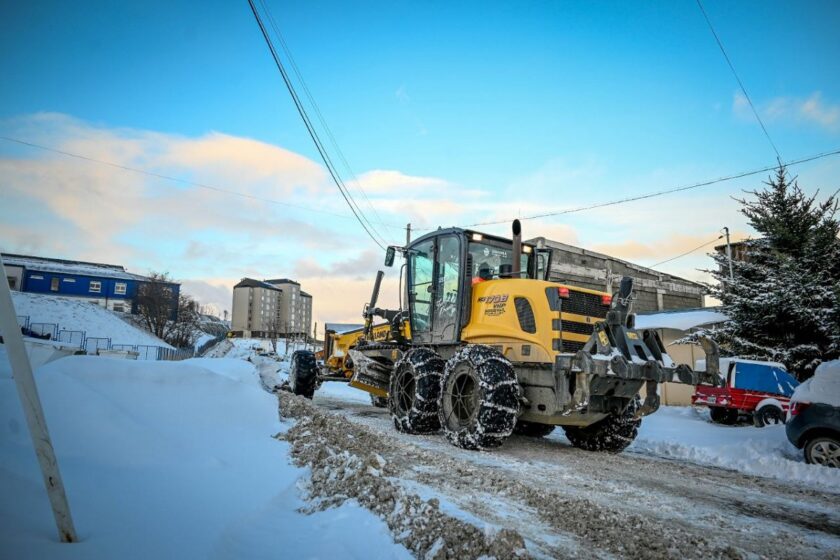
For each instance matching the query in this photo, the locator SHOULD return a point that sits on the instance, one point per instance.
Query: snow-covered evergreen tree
(784, 297)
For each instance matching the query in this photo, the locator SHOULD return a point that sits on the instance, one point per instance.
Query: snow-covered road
(564, 501)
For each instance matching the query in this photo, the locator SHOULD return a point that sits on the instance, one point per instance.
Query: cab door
(446, 303)
(420, 285)
(435, 279)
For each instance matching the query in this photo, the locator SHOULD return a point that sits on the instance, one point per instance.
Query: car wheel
(768, 414)
(823, 450)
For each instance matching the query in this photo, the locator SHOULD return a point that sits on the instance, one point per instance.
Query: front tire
(823, 450)
(479, 398)
(303, 375)
(413, 391)
(612, 434)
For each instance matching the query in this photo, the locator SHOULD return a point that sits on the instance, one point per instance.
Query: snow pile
(824, 387)
(680, 320)
(687, 434)
(81, 315)
(166, 460)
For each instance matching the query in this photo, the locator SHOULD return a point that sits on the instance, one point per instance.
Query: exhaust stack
(516, 269)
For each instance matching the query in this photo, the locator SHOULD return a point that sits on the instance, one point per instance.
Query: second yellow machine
(486, 346)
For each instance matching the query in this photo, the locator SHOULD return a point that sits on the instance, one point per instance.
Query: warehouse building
(654, 290)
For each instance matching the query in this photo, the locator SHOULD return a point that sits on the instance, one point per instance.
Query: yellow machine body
(495, 321)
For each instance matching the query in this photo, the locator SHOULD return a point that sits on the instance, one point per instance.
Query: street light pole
(729, 253)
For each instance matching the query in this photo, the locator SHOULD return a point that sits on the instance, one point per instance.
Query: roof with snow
(681, 319)
(283, 281)
(251, 283)
(62, 266)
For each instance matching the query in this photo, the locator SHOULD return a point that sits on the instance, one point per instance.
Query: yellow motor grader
(486, 346)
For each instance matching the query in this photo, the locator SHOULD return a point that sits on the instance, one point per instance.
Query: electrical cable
(179, 180)
(653, 194)
(738, 79)
(321, 118)
(311, 130)
(715, 240)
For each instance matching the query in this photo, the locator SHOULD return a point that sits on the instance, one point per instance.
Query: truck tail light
(563, 292)
(606, 300)
(796, 407)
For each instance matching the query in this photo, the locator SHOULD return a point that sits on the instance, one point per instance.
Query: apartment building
(266, 308)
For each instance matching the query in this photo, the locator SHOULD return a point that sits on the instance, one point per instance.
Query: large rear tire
(479, 398)
(612, 434)
(303, 375)
(413, 391)
(532, 429)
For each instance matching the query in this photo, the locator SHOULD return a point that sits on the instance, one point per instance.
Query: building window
(95, 286)
(54, 285)
(119, 288)
(71, 280)
(119, 308)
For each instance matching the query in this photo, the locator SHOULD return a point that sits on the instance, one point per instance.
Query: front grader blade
(372, 366)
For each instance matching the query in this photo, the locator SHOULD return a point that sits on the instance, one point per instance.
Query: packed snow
(688, 434)
(679, 320)
(823, 387)
(80, 315)
(166, 460)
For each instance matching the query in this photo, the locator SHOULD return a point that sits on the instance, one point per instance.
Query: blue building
(108, 285)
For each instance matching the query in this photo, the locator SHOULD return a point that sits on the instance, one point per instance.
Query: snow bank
(687, 434)
(81, 315)
(166, 460)
(824, 387)
(680, 320)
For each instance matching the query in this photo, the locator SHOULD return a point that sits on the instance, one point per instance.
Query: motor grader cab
(495, 348)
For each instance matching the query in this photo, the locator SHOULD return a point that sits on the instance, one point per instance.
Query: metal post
(407, 234)
(31, 403)
(729, 253)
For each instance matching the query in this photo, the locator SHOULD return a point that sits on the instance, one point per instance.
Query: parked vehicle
(815, 416)
(761, 390)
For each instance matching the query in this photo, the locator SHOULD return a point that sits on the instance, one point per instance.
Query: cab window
(491, 261)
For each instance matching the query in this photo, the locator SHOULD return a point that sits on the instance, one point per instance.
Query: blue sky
(449, 113)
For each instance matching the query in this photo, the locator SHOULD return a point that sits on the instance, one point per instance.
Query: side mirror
(389, 256)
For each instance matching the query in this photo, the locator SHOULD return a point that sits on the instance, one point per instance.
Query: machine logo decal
(495, 305)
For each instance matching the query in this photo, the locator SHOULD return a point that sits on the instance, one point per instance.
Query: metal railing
(93, 344)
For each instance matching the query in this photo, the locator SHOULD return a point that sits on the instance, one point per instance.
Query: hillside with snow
(80, 315)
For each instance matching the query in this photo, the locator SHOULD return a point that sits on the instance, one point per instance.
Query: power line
(312, 132)
(657, 193)
(740, 84)
(715, 240)
(320, 115)
(179, 180)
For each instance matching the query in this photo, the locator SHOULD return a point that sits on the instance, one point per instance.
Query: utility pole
(31, 403)
(729, 253)
(407, 234)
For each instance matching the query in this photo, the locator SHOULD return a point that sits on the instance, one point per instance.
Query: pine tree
(784, 297)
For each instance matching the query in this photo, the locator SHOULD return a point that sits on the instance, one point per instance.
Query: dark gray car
(816, 428)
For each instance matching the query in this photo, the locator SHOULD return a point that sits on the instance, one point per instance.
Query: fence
(92, 344)
(44, 329)
(74, 338)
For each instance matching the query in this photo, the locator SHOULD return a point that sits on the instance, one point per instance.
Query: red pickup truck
(761, 390)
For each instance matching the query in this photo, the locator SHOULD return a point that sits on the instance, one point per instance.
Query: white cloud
(810, 110)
